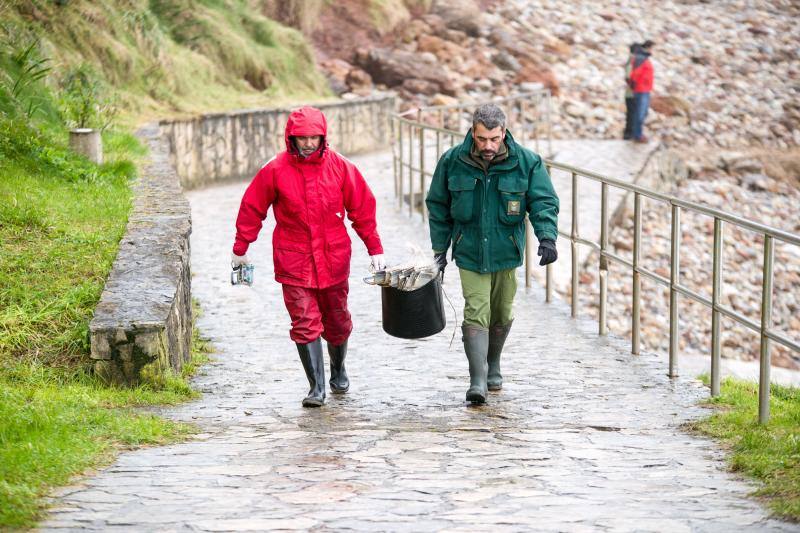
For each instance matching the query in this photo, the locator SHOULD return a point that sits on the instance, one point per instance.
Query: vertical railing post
(422, 172)
(410, 169)
(674, 279)
(766, 323)
(528, 251)
(716, 291)
(393, 133)
(636, 323)
(603, 259)
(548, 270)
(400, 153)
(549, 127)
(573, 234)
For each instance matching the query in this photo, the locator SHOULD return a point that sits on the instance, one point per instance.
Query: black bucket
(413, 314)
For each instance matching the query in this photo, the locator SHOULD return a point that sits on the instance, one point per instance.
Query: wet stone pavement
(583, 437)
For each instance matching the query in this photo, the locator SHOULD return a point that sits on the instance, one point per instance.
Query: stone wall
(142, 325)
(236, 145)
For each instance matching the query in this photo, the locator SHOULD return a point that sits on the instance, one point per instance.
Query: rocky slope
(727, 98)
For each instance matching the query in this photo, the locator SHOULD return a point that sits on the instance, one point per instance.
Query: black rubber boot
(339, 382)
(497, 339)
(314, 365)
(476, 345)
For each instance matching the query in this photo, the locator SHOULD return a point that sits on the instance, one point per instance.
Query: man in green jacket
(477, 201)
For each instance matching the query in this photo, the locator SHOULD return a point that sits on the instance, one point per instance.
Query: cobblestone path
(584, 436)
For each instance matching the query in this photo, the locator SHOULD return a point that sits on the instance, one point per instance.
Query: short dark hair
(647, 44)
(490, 116)
(633, 47)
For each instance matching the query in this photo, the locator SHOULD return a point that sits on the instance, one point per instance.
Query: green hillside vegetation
(172, 57)
(108, 65)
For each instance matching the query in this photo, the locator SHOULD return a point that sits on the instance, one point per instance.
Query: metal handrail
(763, 327)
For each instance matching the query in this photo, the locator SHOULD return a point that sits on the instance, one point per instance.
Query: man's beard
(488, 155)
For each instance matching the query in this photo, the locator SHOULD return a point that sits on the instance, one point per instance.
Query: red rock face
(459, 48)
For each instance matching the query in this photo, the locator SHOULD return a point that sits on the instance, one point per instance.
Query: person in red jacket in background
(642, 84)
(311, 189)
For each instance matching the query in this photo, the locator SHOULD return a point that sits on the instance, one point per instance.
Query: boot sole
(339, 391)
(313, 403)
(495, 387)
(476, 398)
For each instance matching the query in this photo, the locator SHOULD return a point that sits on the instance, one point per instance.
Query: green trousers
(488, 298)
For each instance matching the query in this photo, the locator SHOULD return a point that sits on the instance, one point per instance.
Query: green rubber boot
(497, 339)
(476, 346)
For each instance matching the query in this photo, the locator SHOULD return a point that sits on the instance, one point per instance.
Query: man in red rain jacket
(311, 188)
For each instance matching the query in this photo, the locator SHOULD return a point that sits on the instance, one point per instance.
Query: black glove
(440, 259)
(547, 249)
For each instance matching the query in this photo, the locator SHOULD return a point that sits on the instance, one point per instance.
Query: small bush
(85, 101)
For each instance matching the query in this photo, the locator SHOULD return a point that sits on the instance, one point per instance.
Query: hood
(640, 57)
(306, 121)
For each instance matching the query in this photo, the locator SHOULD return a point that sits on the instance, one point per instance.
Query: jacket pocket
(462, 197)
(338, 251)
(512, 199)
(292, 259)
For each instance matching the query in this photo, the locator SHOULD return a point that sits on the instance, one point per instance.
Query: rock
(575, 109)
(431, 43)
(336, 67)
(414, 30)
(420, 86)
(337, 86)
(671, 106)
(359, 81)
(461, 15)
(441, 99)
(756, 182)
(745, 165)
(506, 61)
(394, 67)
(530, 73)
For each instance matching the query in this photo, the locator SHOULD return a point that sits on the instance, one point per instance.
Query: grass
(769, 453)
(170, 58)
(56, 424)
(61, 219)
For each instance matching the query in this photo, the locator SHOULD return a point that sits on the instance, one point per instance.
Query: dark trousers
(641, 105)
(630, 109)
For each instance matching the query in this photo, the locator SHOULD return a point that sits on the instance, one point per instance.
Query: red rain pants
(316, 312)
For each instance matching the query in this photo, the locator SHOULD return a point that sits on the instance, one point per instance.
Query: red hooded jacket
(310, 196)
(642, 76)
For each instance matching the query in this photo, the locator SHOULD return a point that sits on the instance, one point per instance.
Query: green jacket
(482, 213)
